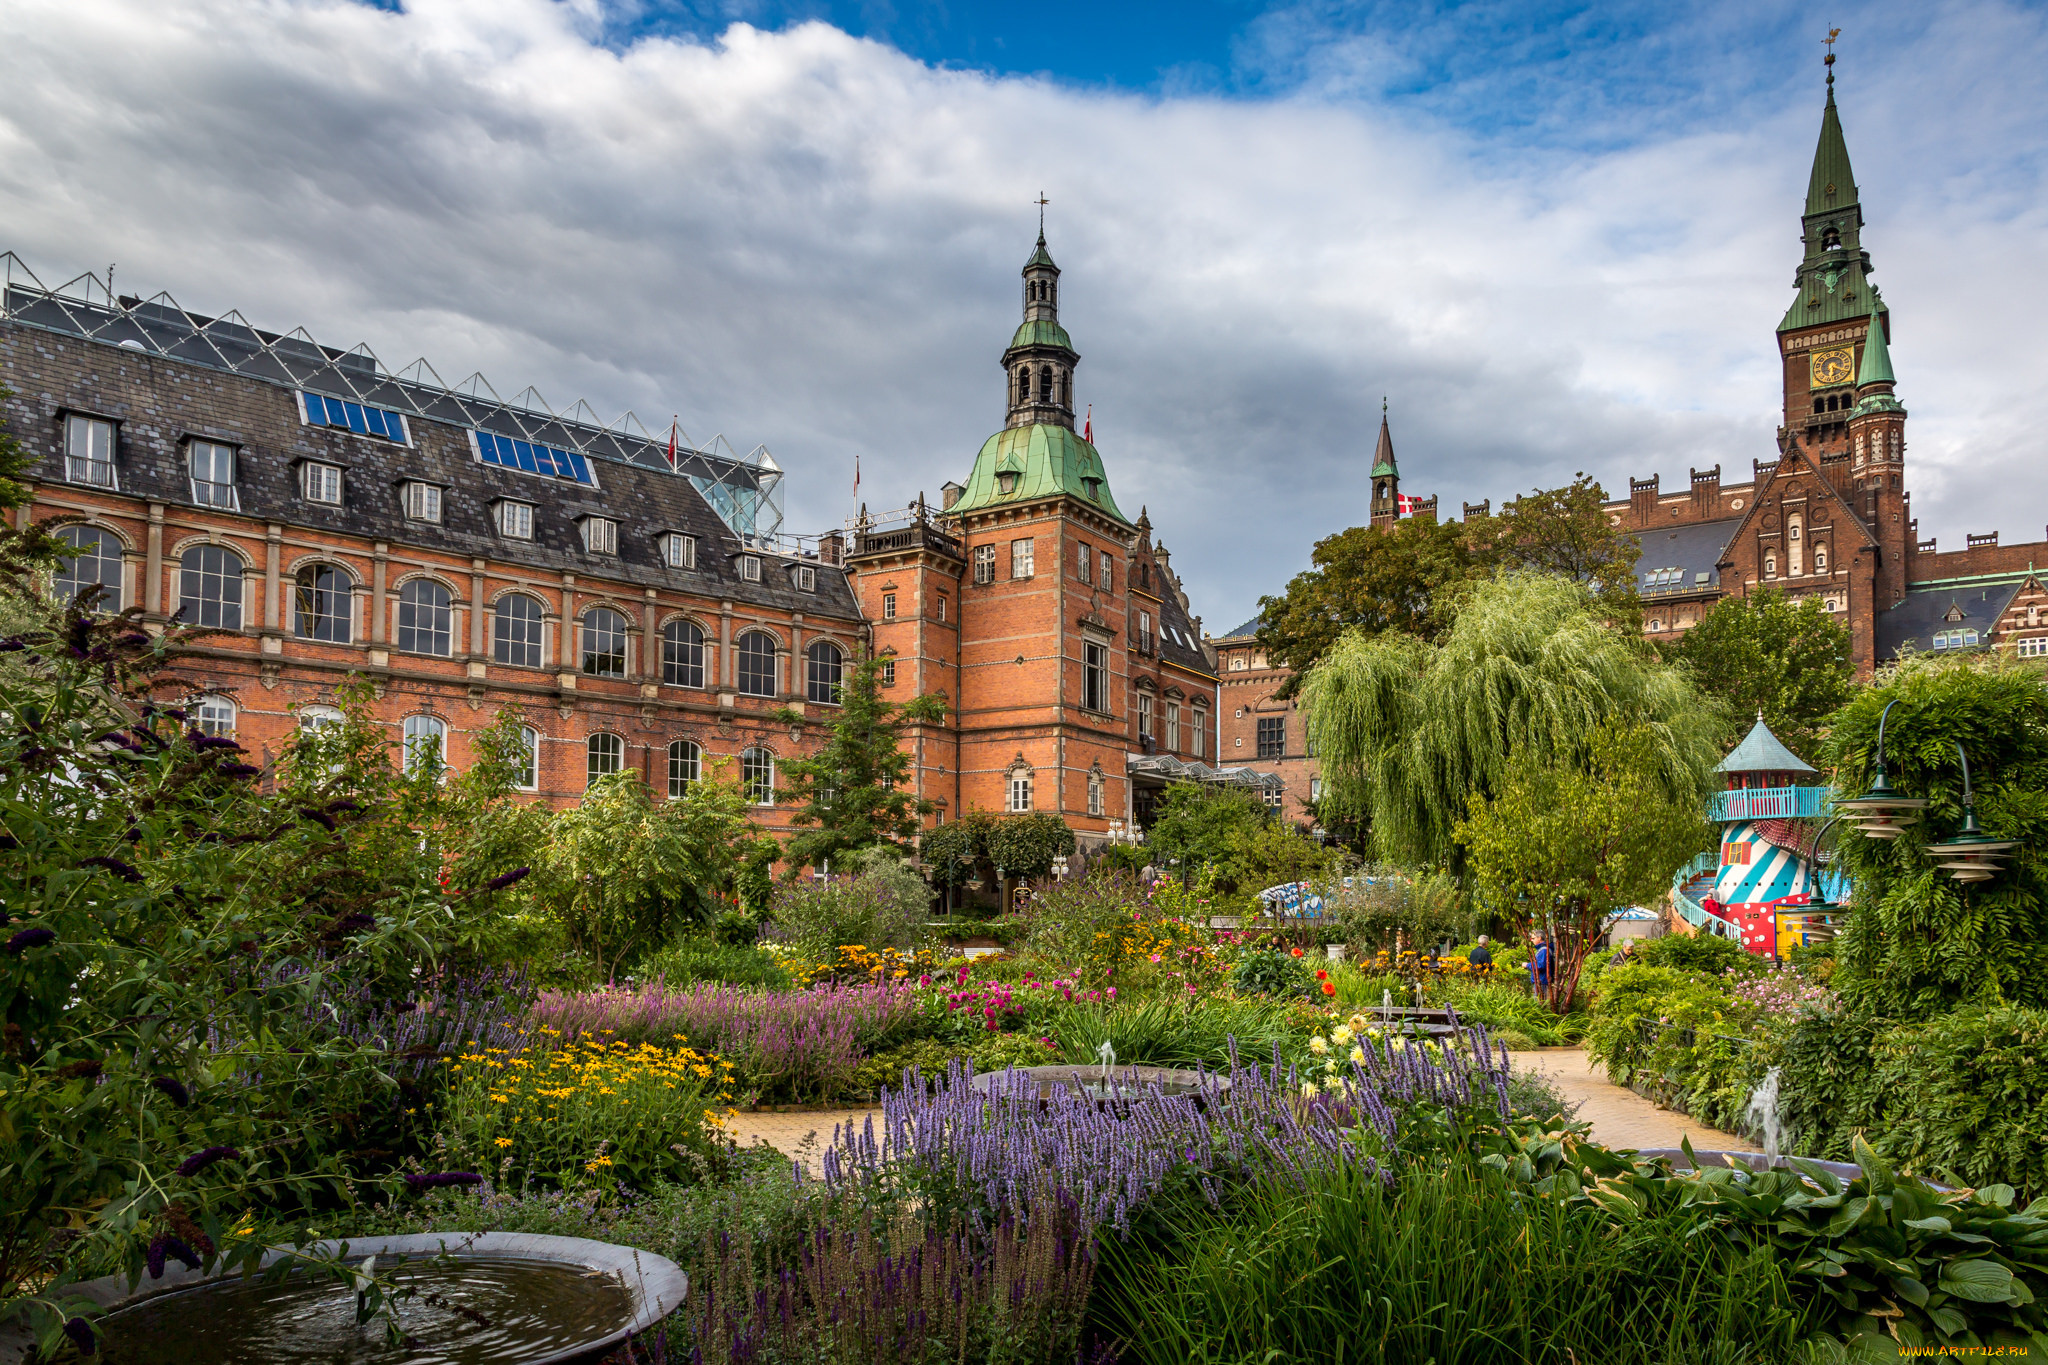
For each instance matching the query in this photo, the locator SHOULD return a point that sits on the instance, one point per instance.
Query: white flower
(1334, 1083)
(1358, 1055)
(1341, 1035)
(1319, 1045)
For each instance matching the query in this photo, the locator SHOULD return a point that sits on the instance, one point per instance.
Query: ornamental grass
(591, 1111)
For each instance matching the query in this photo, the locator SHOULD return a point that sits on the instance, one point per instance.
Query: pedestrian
(1539, 967)
(1623, 955)
(1481, 957)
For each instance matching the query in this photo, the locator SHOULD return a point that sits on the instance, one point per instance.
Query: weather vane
(1833, 34)
(1041, 201)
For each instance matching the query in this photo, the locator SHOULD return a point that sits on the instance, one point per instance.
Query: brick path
(789, 1133)
(1620, 1117)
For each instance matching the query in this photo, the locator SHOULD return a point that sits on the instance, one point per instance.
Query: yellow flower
(1318, 1045)
(504, 1142)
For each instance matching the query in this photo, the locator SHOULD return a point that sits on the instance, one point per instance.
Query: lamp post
(1972, 855)
(1882, 813)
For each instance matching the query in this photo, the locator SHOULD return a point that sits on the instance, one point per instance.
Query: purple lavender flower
(199, 1161)
(499, 883)
(30, 938)
(173, 1090)
(124, 871)
(81, 1334)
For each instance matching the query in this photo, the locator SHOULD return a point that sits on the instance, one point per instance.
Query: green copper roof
(1833, 184)
(1877, 356)
(1040, 257)
(1047, 460)
(1383, 453)
(1761, 752)
(1041, 333)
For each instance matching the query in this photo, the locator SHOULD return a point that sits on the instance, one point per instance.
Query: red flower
(1329, 988)
(1295, 951)
(1322, 975)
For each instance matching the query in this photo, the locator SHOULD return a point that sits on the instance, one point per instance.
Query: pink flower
(925, 980)
(1112, 992)
(991, 1014)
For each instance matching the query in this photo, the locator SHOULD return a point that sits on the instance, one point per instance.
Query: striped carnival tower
(1759, 887)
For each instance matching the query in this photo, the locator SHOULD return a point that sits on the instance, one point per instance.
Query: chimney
(949, 493)
(1479, 509)
(1642, 497)
(832, 548)
(1706, 491)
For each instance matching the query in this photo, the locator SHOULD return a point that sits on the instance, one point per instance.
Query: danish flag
(1088, 426)
(1404, 504)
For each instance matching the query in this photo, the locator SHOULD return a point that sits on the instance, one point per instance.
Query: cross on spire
(1042, 201)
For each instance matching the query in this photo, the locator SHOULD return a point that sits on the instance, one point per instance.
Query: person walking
(1481, 956)
(1539, 967)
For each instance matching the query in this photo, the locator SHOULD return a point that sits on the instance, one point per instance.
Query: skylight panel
(322, 411)
(529, 458)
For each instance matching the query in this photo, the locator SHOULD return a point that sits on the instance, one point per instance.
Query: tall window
(1198, 734)
(320, 483)
(1108, 582)
(939, 606)
(425, 620)
(757, 776)
(1272, 736)
(324, 603)
(888, 606)
(888, 672)
(1145, 704)
(214, 716)
(426, 744)
(98, 565)
(604, 643)
(210, 588)
(1083, 561)
(757, 663)
(1020, 789)
(1144, 632)
(685, 764)
(527, 778)
(1173, 725)
(515, 630)
(1094, 676)
(1095, 793)
(825, 667)
(681, 551)
(1020, 559)
(89, 451)
(212, 466)
(750, 568)
(423, 501)
(682, 654)
(607, 756)
(984, 563)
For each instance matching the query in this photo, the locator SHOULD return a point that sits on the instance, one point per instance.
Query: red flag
(1088, 426)
(1404, 505)
(672, 424)
(856, 476)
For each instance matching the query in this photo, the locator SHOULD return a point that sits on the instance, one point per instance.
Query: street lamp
(1973, 854)
(1881, 813)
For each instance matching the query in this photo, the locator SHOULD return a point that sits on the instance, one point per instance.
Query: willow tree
(1410, 731)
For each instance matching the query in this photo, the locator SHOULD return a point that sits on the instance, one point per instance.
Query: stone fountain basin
(1757, 1161)
(1126, 1081)
(655, 1286)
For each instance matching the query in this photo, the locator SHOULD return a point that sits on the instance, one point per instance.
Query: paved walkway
(799, 1136)
(1620, 1117)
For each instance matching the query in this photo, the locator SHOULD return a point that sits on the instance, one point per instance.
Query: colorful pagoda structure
(1763, 884)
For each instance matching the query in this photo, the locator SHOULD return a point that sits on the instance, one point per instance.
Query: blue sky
(1556, 238)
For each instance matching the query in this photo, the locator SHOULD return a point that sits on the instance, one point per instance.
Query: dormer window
(212, 467)
(515, 520)
(806, 578)
(680, 551)
(1093, 488)
(750, 568)
(422, 501)
(600, 535)
(1006, 483)
(320, 483)
(89, 451)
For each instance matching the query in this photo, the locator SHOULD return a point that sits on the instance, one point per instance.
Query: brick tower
(1386, 478)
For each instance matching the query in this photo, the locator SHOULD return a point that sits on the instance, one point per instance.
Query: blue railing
(1768, 803)
(1695, 914)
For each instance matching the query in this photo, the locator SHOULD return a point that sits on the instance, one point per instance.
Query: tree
(1766, 654)
(857, 791)
(1566, 531)
(1233, 834)
(1919, 942)
(1409, 731)
(1366, 580)
(1020, 846)
(1561, 848)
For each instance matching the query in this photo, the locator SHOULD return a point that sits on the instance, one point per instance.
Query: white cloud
(811, 241)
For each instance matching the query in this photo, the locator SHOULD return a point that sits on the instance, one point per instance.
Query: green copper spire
(1383, 453)
(1877, 356)
(1832, 184)
(1832, 278)
(1043, 257)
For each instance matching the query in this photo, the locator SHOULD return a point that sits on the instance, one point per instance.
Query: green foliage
(1920, 942)
(1020, 846)
(1273, 972)
(1709, 953)
(1560, 849)
(702, 957)
(884, 907)
(988, 1051)
(14, 460)
(1566, 532)
(1966, 1095)
(1766, 654)
(1677, 1033)
(1508, 1005)
(856, 791)
(1367, 915)
(1408, 731)
(1234, 837)
(1357, 989)
(1184, 1033)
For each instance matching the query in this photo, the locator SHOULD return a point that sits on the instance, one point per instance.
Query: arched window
(319, 717)
(210, 587)
(424, 618)
(682, 654)
(98, 565)
(214, 716)
(1024, 384)
(1045, 383)
(757, 663)
(607, 756)
(1820, 557)
(757, 776)
(1020, 789)
(324, 604)
(826, 665)
(1770, 566)
(604, 643)
(685, 765)
(515, 630)
(1059, 386)
(426, 744)
(1096, 789)
(527, 779)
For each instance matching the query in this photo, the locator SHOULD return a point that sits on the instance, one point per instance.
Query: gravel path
(1620, 1117)
(801, 1136)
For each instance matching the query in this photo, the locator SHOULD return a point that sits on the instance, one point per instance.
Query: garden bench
(1431, 1021)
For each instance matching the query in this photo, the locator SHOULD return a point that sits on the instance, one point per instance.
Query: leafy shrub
(1508, 1005)
(1274, 972)
(878, 909)
(702, 957)
(1376, 908)
(1966, 1094)
(1700, 953)
(1674, 1032)
(988, 1052)
(1514, 1040)
(1358, 989)
(1180, 1033)
(1827, 1084)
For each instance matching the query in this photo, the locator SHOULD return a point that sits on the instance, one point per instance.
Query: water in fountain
(1762, 1114)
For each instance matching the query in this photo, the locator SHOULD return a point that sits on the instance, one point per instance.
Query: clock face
(1833, 367)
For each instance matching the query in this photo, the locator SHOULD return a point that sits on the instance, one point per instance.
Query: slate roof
(1693, 550)
(1180, 645)
(1243, 632)
(1761, 752)
(1914, 621)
